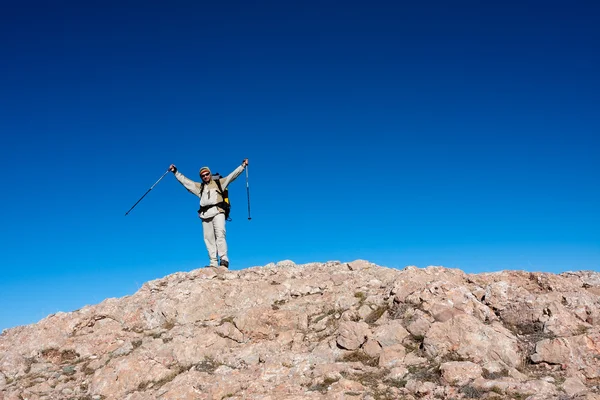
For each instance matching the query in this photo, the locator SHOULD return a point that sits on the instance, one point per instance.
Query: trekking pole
(151, 187)
(248, 193)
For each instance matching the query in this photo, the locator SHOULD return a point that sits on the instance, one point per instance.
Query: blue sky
(461, 135)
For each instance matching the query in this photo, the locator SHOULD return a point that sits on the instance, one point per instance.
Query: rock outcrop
(319, 331)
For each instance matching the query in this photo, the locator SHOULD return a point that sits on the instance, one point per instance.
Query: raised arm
(236, 172)
(190, 185)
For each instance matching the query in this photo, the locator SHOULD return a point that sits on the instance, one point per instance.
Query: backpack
(225, 205)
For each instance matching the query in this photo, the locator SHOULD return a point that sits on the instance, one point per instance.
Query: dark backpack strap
(218, 182)
(225, 203)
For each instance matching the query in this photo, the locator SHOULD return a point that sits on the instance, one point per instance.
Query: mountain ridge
(334, 330)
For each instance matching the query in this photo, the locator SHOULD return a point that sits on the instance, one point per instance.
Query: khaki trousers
(214, 238)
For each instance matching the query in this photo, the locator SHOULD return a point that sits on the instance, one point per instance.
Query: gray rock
(317, 331)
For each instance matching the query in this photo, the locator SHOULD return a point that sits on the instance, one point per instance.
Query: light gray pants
(214, 238)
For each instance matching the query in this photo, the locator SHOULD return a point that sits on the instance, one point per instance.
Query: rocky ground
(319, 331)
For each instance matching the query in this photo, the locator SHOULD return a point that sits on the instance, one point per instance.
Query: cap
(203, 169)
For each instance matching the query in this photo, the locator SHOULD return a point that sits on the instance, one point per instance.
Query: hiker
(212, 208)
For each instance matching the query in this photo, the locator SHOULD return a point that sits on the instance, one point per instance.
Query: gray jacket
(210, 194)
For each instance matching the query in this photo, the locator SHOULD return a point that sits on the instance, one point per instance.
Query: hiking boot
(225, 263)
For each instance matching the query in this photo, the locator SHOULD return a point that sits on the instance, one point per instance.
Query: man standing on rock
(212, 209)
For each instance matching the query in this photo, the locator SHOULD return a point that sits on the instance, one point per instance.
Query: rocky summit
(330, 330)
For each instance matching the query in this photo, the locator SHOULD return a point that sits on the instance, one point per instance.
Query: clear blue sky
(464, 135)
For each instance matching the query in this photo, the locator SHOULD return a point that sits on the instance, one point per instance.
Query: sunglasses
(205, 174)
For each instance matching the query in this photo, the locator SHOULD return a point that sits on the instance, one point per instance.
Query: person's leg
(209, 240)
(219, 226)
